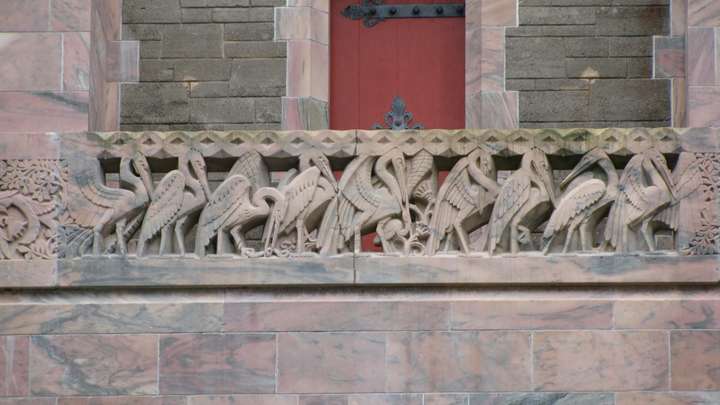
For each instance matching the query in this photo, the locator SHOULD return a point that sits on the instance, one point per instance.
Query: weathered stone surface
(534, 58)
(155, 103)
(93, 365)
(690, 314)
(331, 362)
(249, 32)
(14, 366)
(201, 70)
(135, 400)
(667, 398)
(593, 68)
(19, 51)
(222, 110)
(24, 15)
(532, 315)
(587, 47)
(631, 46)
(626, 100)
(192, 41)
(336, 316)
(258, 77)
(217, 272)
(694, 358)
(151, 11)
(217, 364)
(458, 361)
(70, 15)
(554, 106)
(541, 399)
(247, 399)
(600, 361)
(111, 318)
(255, 49)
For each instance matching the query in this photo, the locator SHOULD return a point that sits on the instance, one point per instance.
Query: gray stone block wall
(204, 64)
(588, 63)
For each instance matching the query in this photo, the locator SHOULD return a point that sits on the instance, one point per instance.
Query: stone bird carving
(646, 188)
(179, 194)
(582, 207)
(223, 207)
(464, 201)
(364, 200)
(525, 201)
(306, 195)
(98, 207)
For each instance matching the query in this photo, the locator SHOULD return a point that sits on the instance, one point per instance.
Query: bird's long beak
(147, 181)
(205, 186)
(548, 179)
(583, 165)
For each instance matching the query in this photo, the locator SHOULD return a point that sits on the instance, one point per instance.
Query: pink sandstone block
(28, 401)
(243, 400)
(492, 110)
(60, 112)
(667, 398)
(600, 361)
(14, 366)
(458, 361)
(331, 362)
(667, 314)
(529, 314)
(217, 364)
(446, 399)
(19, 53)
(669, 57)
(70, 15)
(323, 400)
(319, 73)
(76, 61)
(24, 15)
(695, 358)
(701, 57)
(336, 316)
(122, 61)
(491, 13)
(703, 13)
(299, 68)
(385, 399)
(93, 365)
(704, 106)
(122, 401)
(485, 60)
(679, 102)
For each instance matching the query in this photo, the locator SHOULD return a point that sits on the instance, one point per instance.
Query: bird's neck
(128, 177)
(612, 176)
(191, 180)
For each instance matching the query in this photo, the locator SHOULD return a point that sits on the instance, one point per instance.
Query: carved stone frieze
(413, 193)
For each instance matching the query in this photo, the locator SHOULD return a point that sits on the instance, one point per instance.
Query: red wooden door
(421, 60)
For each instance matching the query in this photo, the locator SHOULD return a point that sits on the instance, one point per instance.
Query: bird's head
(660, 164)
(142, 168)
(197, 162)
(587, 161)
(537, 163)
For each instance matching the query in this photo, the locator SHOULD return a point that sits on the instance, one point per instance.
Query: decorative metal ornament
(373, 11)
(398, 118)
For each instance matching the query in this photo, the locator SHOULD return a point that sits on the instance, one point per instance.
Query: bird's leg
(514, 243)
(586, 239)
(568, 237)
(448, 240)
(357, 239)
(164, 239)
(239, 239)
(548, 245)
(220, 250)
(647, 232)
(97, 240)
(180, 235)
(120, 232)
(300, 225)
(462, 238)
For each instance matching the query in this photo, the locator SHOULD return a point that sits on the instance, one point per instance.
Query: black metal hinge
(373, 11)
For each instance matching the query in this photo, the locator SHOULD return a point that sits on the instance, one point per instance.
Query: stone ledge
(533, 270)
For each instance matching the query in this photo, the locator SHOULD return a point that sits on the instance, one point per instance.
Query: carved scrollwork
(311, 202)
(30, 192)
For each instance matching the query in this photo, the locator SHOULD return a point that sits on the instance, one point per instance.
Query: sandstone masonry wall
(588, 63)
(44, 65)
(204, 64)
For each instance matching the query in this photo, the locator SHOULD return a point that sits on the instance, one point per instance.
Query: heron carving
(94, 205)
(581, 208)
(525, 201)
(646, 188)
(364, 200)
(248, 174)
(464, 201)
(306, 196)
(179, 194)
